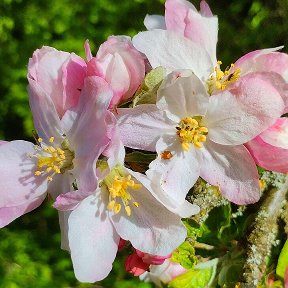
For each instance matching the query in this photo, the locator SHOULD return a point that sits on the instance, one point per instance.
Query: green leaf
(200, 277)
(147, 93)
(283, 261)
(185, 255)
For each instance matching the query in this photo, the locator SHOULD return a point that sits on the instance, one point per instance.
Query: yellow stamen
(221, 79)
(118, 185)
(52, 160)
(190, 132)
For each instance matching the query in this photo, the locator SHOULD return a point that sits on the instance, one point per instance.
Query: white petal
(154, 22)
(181, 95)
(92, 240)
(167, 49)
(233, 170)
(141, 127)
(151, 228)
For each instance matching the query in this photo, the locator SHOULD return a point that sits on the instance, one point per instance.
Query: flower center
(220, 79)
(53, 160)
(190, 131)
(118, 186)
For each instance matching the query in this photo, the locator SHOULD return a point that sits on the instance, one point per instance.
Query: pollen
(190, 132)
(120, 187)
(166, 155)
(52, 160)
(219, 80)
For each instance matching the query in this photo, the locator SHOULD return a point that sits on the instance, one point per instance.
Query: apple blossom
(121, 207)
(199, 138)
(62, 156)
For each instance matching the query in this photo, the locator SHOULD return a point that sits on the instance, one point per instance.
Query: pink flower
(121, 65)
(64, 157)
(270, 148)
(202, 135)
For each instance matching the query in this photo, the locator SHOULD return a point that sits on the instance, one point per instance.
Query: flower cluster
(163, 92)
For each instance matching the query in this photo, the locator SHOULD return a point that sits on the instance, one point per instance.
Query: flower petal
(183, 18)
(177, 174)
(18, 183)
(88, 136)
(8, 214)
(238, 180)
(167, 49)
(236, 119)
(93, 241)
(152, 22)
(151, 228)
(46, 119)
(141, 127)
(181, 95)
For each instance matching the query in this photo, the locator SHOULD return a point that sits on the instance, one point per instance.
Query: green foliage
(283, 261)
(185, 255)
(147, 92)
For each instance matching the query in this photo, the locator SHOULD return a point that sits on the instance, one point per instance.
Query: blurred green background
(30, 254)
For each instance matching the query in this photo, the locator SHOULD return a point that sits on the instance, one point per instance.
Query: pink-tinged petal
(277, 134)
(268, 156)
(87, 50)
(89, 136)
(184, 209)
(182, 18)
(249, 62)
(152, 22)
(150, 228)
(18, 183)
(177, 174)
(3, 142)
(46, 119)
(238, 180)
(205, 9)
(172, 51)
(181, 95)
(70, 200)
(135, 265)
(52, 70)
(236, 119)
(74, 72)
(93, 241)
(8, 214)
(141, 127)
(115, 152)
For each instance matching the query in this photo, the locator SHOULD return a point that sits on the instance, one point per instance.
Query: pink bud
(135, 265)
